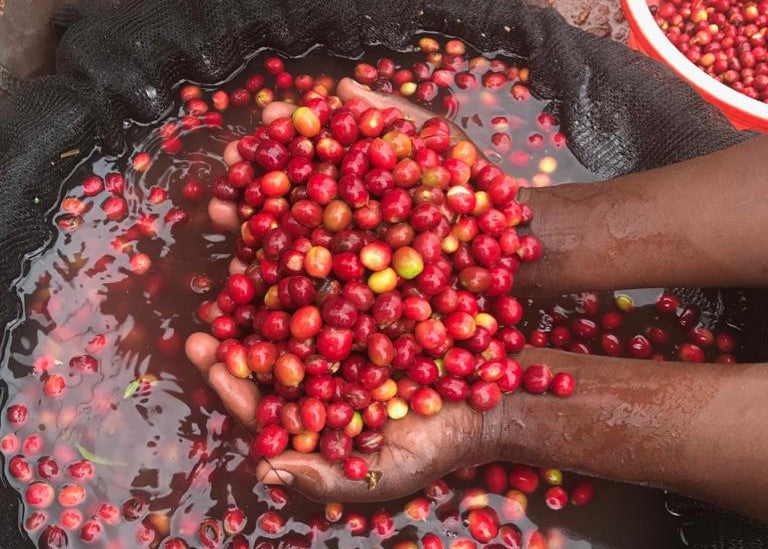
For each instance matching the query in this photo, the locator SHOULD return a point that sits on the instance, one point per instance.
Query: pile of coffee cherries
(725, 38)
(663, 330)
(376, 264)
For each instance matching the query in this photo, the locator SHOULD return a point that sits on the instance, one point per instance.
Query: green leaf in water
(93, 458)
(133, 386)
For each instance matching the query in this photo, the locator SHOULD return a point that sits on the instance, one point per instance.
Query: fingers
(231, 154)
(349, 89)
(239, 396)
(201, 351)
(237, 266)
(271, 112)
(315, 477)
(417, 451)
(276, 110)
(320, 480)
(224, 214)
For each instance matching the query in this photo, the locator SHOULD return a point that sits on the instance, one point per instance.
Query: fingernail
(276, 476)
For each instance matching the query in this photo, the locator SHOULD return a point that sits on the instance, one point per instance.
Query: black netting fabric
(707, 527)
(621, 111)
(7, 80)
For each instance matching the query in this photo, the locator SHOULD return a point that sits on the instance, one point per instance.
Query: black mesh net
(7, 80)
(620, 111)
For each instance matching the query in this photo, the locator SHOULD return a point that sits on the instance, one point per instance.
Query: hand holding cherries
(369, 302)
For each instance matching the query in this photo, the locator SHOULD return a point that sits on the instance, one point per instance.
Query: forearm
(698, 223)
(694, 429)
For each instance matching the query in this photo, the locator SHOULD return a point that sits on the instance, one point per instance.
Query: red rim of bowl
(651, 40)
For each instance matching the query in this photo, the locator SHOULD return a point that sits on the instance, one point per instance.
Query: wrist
(528, 428)
(553, 224)
(506, 430)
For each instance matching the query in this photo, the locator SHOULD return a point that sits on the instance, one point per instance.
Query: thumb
(313, 476)
(348, 89)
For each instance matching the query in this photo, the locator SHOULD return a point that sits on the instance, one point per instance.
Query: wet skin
(695, 429)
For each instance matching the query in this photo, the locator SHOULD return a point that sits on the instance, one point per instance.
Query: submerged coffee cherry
(582, 493)
(20, 469)
(234, 521)
(556, 498)
(53, 537)
(39, 495)
(17, 415)
(483, 524)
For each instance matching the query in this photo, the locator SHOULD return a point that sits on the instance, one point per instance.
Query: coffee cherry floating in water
(669, 331)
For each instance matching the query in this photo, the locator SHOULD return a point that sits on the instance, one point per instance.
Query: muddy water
(144, 418)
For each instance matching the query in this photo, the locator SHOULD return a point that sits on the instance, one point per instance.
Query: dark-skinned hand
(416, 450)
